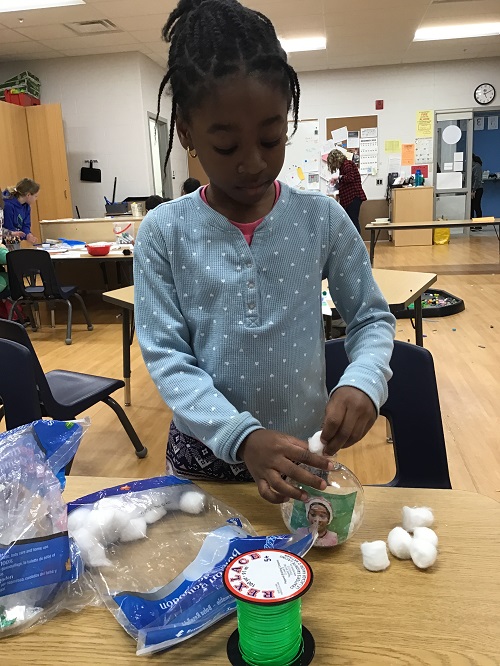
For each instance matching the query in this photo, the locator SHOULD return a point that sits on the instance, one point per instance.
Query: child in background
(190, 185)
(17, 209)
(228, 279)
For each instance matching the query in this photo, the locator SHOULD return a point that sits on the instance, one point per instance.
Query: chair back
(32, 275)
(11, 330)
(412, 410)
(18, 388)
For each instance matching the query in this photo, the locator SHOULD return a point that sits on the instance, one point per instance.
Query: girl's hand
(349, 415)
(32, 239)
(17, 234)
(269, 455)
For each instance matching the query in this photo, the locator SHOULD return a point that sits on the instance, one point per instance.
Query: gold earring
(190, 154)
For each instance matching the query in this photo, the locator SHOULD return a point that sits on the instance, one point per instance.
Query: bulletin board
(366, 151)
(303, 154)
(353, 124)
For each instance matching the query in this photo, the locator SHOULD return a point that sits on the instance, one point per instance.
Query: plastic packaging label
(34, 563)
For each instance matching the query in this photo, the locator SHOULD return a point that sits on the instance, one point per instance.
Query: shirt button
(250, 285)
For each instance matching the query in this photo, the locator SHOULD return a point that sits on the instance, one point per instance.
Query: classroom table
(400, 289)
(376, 228)
(115, 256)
(448, 614)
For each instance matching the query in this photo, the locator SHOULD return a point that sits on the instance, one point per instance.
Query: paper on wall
(448, 166)
(423, 151)
(368, 156)
(425, 124)
(395, 164)
(292, 178)
(449, 181)
(407, 154)
(313, 180)
(479, 123)
(492, 122)
(368, 133)
(458, 166)
(353, 139)
(458, 157)
(311, 164)
(300, 173)
(339, 135)
(392, 146)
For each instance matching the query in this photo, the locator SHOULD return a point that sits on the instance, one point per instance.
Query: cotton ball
(135, 529)
(154, 514)
(423, 553)
(315, 443)
(105, 524)
(192, 502)
(92, 551)
(374, 555)
(399, 542)
(426, 534)
(417, 517)
(78, 519)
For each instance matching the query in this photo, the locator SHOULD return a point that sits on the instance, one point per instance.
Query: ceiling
(360, 33)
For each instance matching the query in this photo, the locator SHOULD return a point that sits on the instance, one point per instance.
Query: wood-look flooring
(466, 350)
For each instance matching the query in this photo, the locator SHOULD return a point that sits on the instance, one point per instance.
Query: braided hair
(213, 39)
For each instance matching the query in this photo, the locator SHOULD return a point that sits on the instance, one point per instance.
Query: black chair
(412, 410)
(62, 395)
(19, 398)
(32, 280)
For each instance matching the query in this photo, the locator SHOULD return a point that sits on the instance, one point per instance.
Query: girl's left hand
(32, 239)
(349, 415)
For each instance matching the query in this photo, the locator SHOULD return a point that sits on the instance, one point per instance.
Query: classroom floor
(466, 350)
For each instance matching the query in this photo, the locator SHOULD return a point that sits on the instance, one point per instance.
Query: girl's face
(318, 515)
(31, 198)
(239, 133)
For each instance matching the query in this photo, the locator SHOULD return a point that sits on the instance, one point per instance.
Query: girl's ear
(183, 133)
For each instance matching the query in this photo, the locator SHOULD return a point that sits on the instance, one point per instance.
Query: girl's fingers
(268, 494)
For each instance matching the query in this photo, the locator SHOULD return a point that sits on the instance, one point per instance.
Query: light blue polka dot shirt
(232, 334)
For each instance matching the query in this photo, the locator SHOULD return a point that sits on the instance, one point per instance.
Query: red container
(21, 99)
(98, 249)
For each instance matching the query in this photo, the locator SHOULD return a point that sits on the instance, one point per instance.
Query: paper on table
(392, 146)
(451, 180)
(458, 166)
(448, 166)
(340, 135)
(458, 157)
(368, 133)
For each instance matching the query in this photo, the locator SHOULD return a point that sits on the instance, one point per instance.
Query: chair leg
(140, 450)
(52, 315)
(15, 304)
(36, 316)
(85, 312)
(70, 321)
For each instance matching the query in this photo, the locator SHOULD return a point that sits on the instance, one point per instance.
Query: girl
(228, 278)
(17, 210)
(351, 194)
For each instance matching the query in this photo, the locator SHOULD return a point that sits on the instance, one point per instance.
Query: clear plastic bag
(166, 585)
(39, 566)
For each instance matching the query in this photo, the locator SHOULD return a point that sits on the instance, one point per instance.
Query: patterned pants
(190, 458)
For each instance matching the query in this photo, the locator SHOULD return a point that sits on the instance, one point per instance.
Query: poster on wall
(423, 151)
(368, 155)
(492, 122)
(407, 154)
(479, 123)
(425, 124)
(423, 168)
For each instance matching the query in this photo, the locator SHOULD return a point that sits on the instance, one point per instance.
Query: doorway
(158, 139)
(486, 145)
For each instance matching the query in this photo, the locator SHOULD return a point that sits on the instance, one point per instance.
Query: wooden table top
(400, 288)
(449, 614)
(85, 220)
(433, 224)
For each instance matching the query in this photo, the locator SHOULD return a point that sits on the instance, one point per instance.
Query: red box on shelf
(21, 99)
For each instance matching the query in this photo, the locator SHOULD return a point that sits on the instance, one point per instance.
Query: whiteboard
(303, 152)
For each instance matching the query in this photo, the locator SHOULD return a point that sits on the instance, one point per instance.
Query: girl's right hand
(17, 234)
(269, 455)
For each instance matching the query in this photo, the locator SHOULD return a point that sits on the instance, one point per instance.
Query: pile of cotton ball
(123, 518)
(421, 547)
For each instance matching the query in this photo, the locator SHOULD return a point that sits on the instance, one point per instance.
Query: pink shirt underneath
(246, 228)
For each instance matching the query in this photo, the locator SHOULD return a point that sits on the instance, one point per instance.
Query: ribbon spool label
(267, 577)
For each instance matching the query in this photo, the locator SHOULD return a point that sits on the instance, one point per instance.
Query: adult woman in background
(476, 190)
(17, 209)
(351, 194)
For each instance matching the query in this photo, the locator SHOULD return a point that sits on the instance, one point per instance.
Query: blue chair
(32, 280)
(412, 410)
(62, 395)
(19, 398)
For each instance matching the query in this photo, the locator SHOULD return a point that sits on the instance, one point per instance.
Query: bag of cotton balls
(124, 514)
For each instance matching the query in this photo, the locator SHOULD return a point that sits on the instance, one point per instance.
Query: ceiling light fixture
(23, 5)
(303, 44)
(457, 31)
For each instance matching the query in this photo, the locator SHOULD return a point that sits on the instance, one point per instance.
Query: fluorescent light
(23, 5)
(457, 31)
(303, 44)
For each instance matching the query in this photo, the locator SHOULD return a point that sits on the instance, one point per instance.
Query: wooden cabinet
(32, 146)
(412, 204)
(48, 156)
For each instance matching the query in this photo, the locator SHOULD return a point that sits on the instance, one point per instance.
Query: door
(453, 161)
(50, 165)
(158, 139)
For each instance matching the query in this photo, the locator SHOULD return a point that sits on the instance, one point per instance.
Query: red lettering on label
(243, 560)
(255, 556)
(237, 569)
(252, 592)
(268, 594)
(240, 586)
(235, 578)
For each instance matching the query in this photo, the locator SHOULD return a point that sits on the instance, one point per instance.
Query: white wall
(405, 90)
(105, 100)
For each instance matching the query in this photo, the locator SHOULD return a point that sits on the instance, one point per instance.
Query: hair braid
(211, 39)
